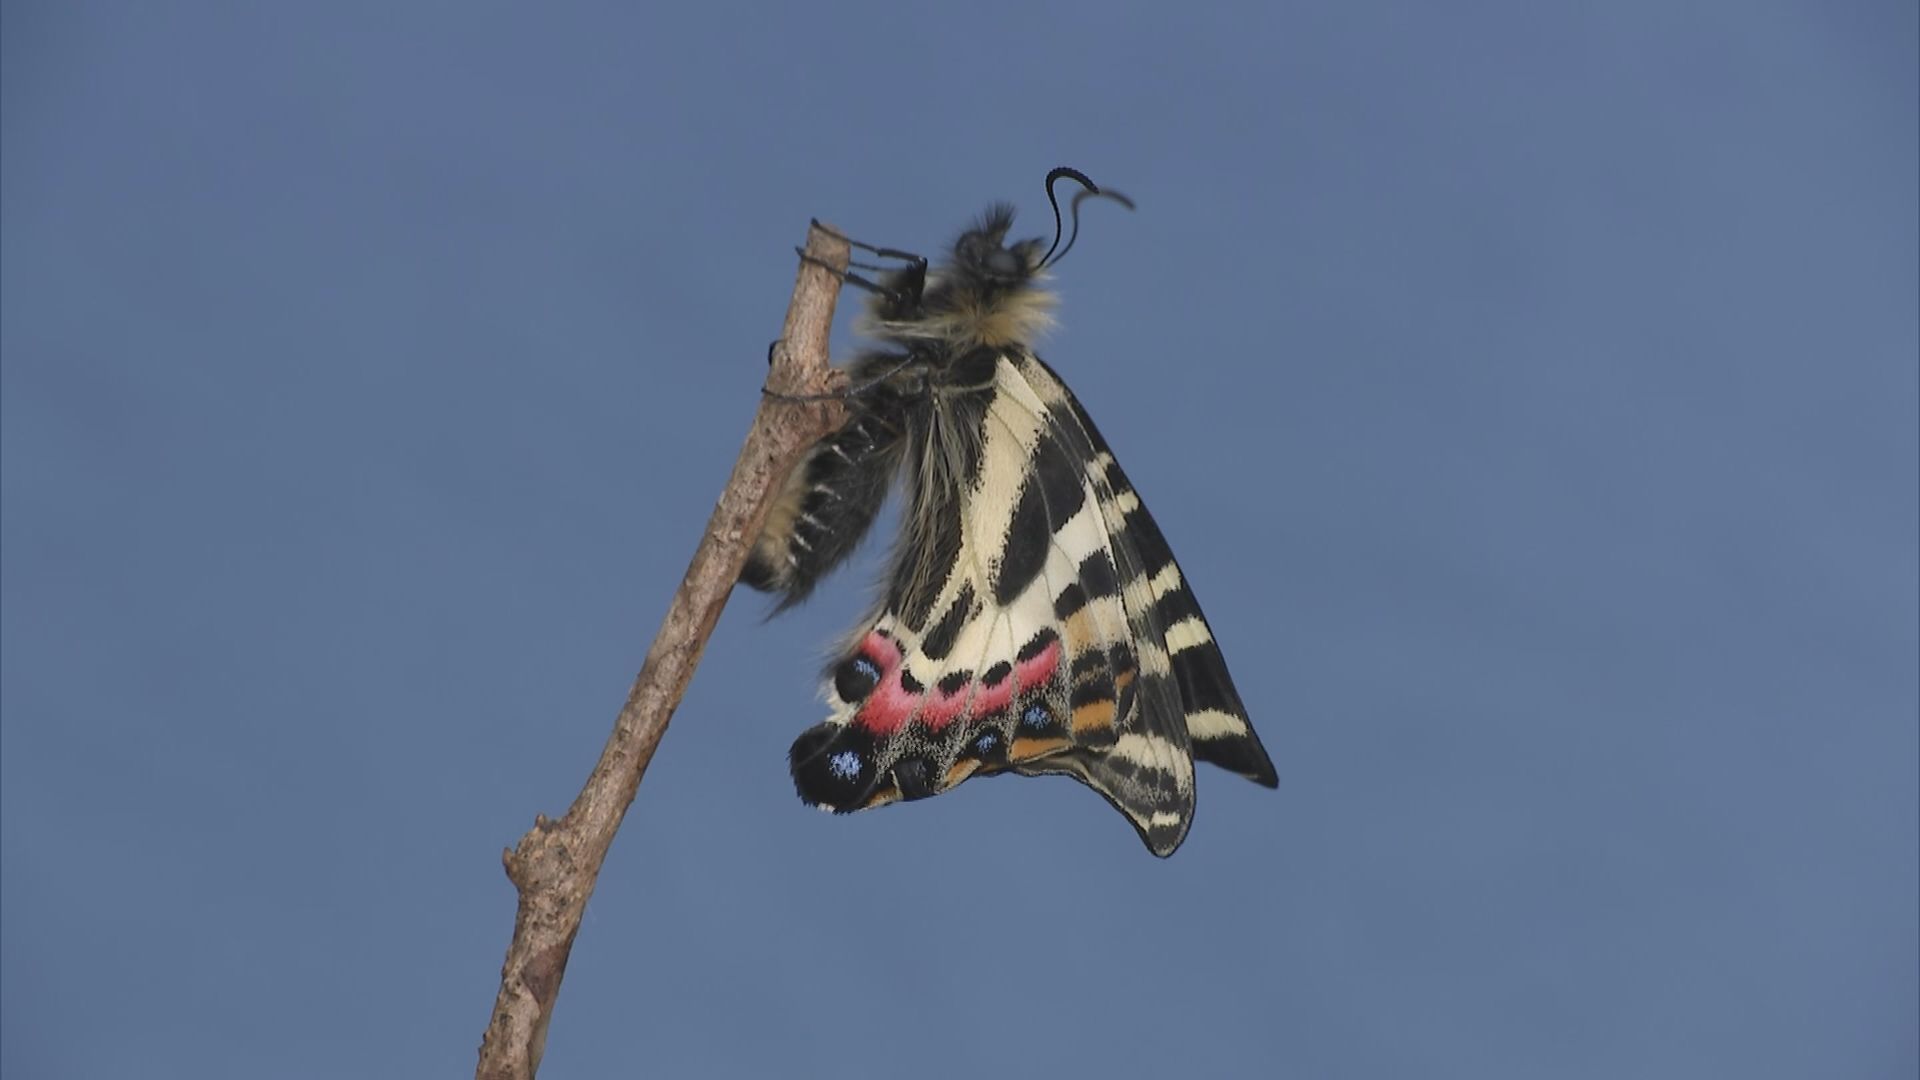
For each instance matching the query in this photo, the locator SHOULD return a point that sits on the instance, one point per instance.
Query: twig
(556, 864)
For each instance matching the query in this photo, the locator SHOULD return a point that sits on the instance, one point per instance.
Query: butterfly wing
(1025, 629)
(1165, 611)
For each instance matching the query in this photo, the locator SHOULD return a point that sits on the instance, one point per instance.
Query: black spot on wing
(989, 747)
(1097, 578)
(1037, 645)
(1095, 694)
(1176, 606)
(1049, 497)
(833, 766)
(914, 777)
(1089, 663)
(1095, 688)
(1061, 478)
(1071, 600)
(855, 677)
(1025, 549)
(939, 640)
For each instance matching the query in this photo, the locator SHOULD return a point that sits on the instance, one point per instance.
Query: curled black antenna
(1053, 178)
(1089, 190)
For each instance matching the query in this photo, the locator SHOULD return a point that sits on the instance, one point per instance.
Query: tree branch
(556, 864)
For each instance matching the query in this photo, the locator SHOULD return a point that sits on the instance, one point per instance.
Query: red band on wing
(943, 709)
(1037, 671)
(890, 706)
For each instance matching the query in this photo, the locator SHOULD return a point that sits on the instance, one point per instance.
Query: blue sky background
(1530, 394)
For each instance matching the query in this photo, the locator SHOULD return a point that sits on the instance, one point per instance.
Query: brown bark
(556, 864)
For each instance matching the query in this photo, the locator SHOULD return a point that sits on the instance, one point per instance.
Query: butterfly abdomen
(829, 502)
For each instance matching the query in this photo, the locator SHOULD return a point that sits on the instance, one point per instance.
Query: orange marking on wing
(1080, 631)
(960, 771)
(1094, 714)
(1028, 749)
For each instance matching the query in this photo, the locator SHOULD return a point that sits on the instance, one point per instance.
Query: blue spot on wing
(856, 677)
(1037, 717)
(845, 764)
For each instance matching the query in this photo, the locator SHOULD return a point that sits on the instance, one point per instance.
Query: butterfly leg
(850, 278)
(907, 282)
(885, 253)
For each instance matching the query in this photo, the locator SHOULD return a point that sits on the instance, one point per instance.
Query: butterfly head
(988, 291)
(982, 258)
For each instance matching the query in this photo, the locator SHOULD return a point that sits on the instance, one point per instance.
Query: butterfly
(1033, 619)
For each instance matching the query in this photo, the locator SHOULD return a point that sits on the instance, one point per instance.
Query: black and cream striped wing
(1188, 707)
(1054, 633)
(1165, 611)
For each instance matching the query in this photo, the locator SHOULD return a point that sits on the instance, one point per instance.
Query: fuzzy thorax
(966, 313)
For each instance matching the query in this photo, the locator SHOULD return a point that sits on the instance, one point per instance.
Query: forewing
(1162, 608)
